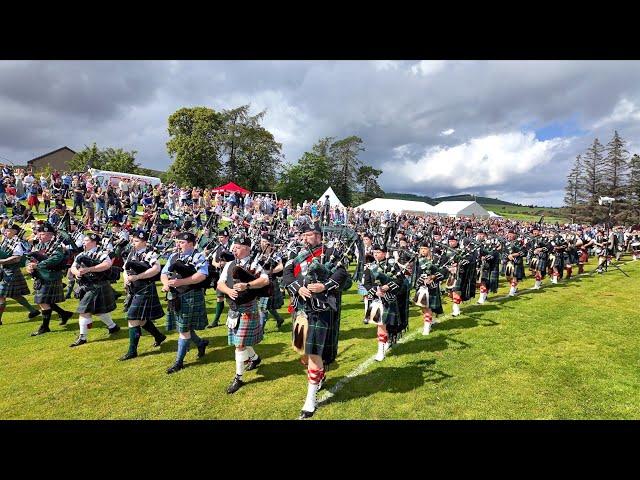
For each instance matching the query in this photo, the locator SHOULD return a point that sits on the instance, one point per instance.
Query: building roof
(49, 153)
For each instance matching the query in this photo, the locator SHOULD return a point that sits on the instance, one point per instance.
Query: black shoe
(279, 324)
(128, 356)
(157, 343)
(79, 341)
(64, 317)
(235, 385)
(304, 414)
(253, 364)
(40, 331)
(114, 329)
(202, 347)
(175, 367)
(213, 324)
(34, 314)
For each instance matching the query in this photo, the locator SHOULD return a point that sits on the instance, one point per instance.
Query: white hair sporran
(375, 311)
(300, 329)
(421, 297)
(508, 270)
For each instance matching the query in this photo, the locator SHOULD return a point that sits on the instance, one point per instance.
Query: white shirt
(243, 262)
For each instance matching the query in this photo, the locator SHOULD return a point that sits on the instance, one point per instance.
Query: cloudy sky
(507, 129)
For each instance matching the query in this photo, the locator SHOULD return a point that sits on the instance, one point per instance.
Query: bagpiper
(271, 263)
(47, 267)
(183, 278)
(383, 280)
(513, 262)
(427, 285)
(12, 282)
(142, 304)
(540, 254)
(488, 266)
(316, 294)
(242, 285)
(92, 269)
(220, 255)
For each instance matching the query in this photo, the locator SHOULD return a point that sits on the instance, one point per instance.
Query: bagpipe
(137, 267)
(92, 259)
(9, 244)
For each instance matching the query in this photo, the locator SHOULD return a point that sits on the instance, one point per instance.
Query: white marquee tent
(461, 209)
(398, 206)
(333, 198)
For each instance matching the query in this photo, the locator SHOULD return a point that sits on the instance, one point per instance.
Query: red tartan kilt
(584, 256)
(32, 200)
(117, 262)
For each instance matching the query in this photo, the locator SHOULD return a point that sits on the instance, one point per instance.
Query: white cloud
(624, 111)
(447, 132)
(383, 65)
(427, 67)
(481, 162)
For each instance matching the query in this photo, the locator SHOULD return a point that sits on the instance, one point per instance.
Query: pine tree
(615, 172)
(591, 181)
(573, 188)
(633, 188)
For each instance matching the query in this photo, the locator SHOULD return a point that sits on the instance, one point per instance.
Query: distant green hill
(469, 198)
(411, 196)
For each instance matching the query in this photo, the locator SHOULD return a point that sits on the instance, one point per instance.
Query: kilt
(192, 312)
(572, 257)
(98, 298)
(276, 300)
(13, 283)
(322, 335)
(435, 300)
(263, 303)
(493, 280)
(145, 305)
(248, 332)
(48, 292)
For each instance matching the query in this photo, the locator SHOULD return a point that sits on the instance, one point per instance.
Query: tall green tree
(237, 134)
(633, 188)
(591, 181)
(196, 144)
(88, 157)
(615, 173)
(344, 155)
(572, 190)
(305, 180)
(368, 178)
(118, 160)
(259, 160)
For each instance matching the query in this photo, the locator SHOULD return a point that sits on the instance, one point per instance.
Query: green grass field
(569, 351)
(514, 212)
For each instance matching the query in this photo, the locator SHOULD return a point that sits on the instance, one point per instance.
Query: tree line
(604, 171)
(209, 148)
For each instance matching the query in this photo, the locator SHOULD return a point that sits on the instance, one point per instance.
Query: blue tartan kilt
(572, 257)
(248, 331)
(13, 284)
(322, 335)
(192, 312)
(48, 292)
(145, 305)
(99, 298)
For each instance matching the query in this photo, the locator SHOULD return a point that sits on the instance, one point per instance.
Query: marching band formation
(255, 261)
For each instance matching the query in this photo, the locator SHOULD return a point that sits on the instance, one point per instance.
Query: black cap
(188, 236)
(14, 226)
(95, 236)
(424, 244)
(382, 248)
(224, 232)
(268, 237)
(45, 227)
(142, 235)
(242, 240)
(452, 237)
(311, 228)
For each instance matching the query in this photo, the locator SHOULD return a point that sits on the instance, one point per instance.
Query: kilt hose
(191, 314)
(145, 304)
(97, 298)
(248, 331)
(13, 283)
(48, 292)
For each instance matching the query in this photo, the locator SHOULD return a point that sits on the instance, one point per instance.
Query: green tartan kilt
(322, 335)
(98, 299)
(435, 299)
(192, 312)
(248, 332)
(13, 284)
(145, 305)
(48, 292)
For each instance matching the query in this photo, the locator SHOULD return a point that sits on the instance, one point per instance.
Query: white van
(105, 177)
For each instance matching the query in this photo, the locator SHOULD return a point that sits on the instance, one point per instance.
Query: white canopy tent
(398, 206)
(494, 215)
(461, 209)
(333, 198)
